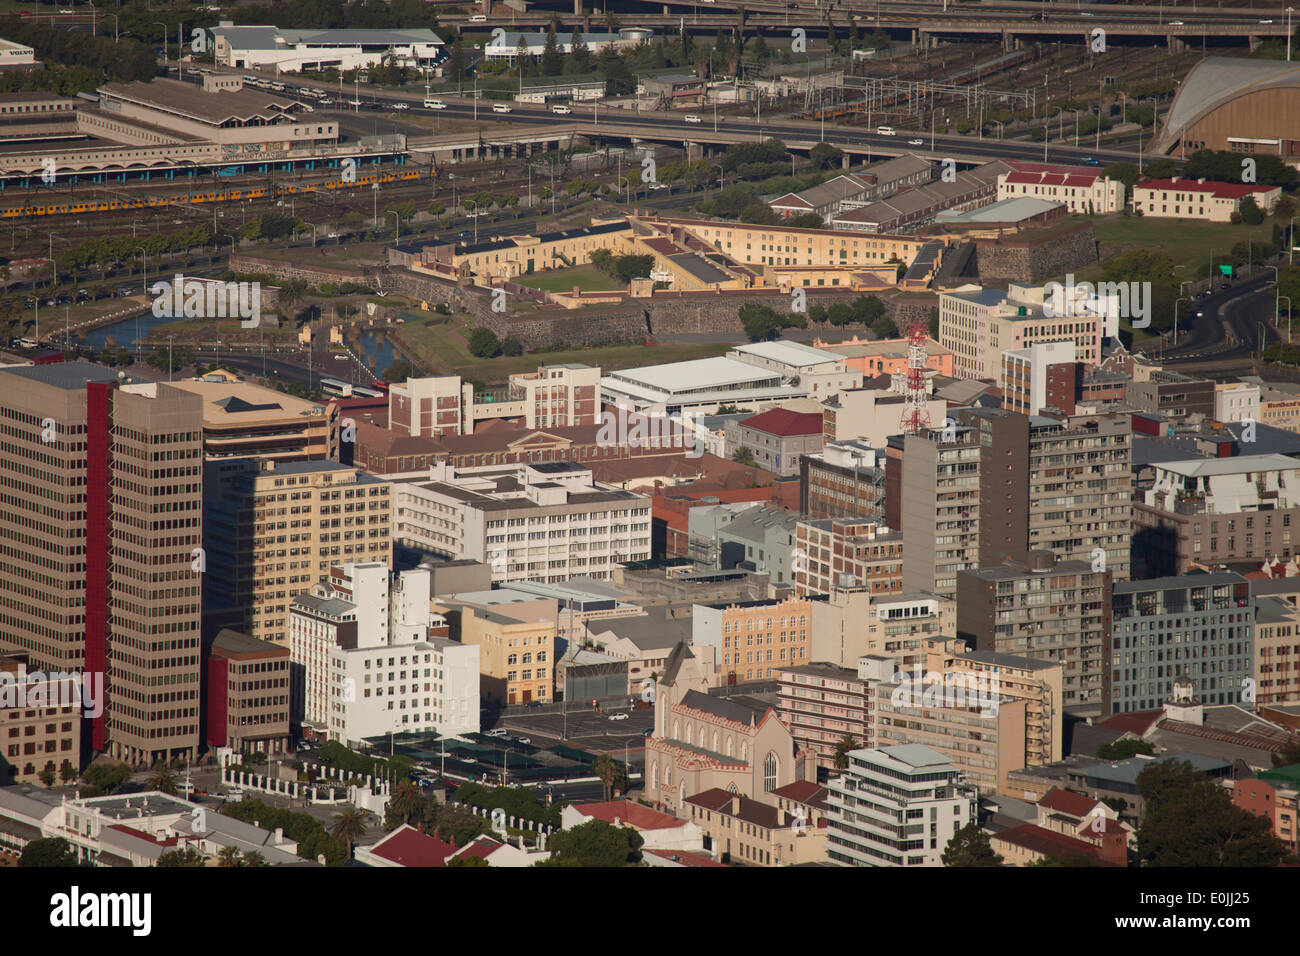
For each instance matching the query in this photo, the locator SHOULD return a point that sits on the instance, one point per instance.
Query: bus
(332, 386)
(361, 392)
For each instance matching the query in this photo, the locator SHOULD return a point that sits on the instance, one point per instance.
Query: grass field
(1189, 243)
(586, 278)
(442, 347)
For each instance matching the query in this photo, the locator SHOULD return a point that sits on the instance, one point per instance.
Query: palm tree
(611, 773)
(406, 804)
(163, 778)
(253, 858)
(846, 743)
(348, 827)
(228, 856)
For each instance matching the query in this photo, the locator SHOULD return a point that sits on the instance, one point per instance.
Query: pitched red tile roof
(783, 422)
(1063, 801)
(630, 814)
(1218, 190)
(1047, 842)
(483, 846)
(407, 846)
(1081, 179)
(803, 791)
(141, 835)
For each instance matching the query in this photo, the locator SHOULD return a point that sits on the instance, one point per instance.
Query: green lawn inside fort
(1190, 243)
(440, 344)
(586, 278)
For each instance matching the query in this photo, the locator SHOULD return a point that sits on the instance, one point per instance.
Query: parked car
(619, 716)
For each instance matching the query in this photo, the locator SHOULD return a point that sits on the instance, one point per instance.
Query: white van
(434, 105)
(562, 110)
(885, 131)
(478, 18)
(500, 107)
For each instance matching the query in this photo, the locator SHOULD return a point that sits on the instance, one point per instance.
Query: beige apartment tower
(101, 568)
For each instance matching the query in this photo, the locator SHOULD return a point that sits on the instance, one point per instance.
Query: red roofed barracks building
(1082, 189)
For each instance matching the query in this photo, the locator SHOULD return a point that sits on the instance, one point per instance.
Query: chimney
(279, 835)
(735, 805)
(616, 821)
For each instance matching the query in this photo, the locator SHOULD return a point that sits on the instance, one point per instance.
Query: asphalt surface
(1235, 313)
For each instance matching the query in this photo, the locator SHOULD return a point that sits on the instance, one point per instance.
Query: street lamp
(397, 222)
(1180, 301)
(1289, 11)
(164, 43)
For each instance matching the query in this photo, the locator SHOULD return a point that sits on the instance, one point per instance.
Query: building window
(769, 772)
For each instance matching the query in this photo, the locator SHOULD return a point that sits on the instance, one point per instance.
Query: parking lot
(586, 729)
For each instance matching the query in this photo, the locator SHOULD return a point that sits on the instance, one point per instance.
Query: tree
(399, 371)
(842, 748)
(483, 343)
(468, 861)
(1124, 748)
(228, 856)
(579, 55)
(1160, 169)
(552, 63)
(253, 858)
(612, 774)
(188, 857)
(512, 347)
(1191, 821)
(823, 155)
(348, 827)
(47, 852)
(104, 778)
(405, 806)
(458, 824)
(596, 843)
(1126, 173)
(522, 58)
(163, 778)
(744, 456)
(46, 777)
(67, 773)
(1251, 214)
(970, 846)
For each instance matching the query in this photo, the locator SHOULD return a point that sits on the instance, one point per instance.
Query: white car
(400, 106)
(326, 101)
(1176, 23)
(618, 716)
(523, 740)
(691, 118)
(501, 108)
(916, 142)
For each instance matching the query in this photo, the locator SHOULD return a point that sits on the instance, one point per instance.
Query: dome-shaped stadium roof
(1216, 81)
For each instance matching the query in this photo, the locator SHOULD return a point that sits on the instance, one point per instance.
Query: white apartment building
(1236, 402)
(428, 686)
(358, 607)
(1081, 189)
(896, 807)
(542, 522)
(977, 325)
(1197, 199)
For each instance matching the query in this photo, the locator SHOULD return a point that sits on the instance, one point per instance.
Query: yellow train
(207, 196)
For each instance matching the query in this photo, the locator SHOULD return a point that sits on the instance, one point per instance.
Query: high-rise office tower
(100, 571)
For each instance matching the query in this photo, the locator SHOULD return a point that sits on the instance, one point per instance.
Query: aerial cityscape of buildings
(729, 435)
